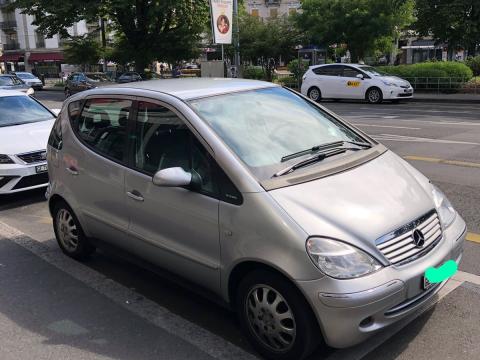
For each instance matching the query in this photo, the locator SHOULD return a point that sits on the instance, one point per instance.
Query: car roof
(7, 75)
(345, 64)
(187, 89)
(5, 93)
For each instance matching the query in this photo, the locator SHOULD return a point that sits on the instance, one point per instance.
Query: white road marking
(401, 138)
(150, 311)
(386, 126)
(390, 117)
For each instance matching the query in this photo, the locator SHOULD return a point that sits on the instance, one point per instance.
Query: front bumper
(397, 93)
(16, 178)
(350, 311)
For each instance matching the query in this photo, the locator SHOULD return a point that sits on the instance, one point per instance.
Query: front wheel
(275, 316)
(374, 96)
(69, 233)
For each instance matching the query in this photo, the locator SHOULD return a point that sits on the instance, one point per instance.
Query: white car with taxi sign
(354, 81)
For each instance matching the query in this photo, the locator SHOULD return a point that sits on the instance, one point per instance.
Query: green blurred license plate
(41, 168)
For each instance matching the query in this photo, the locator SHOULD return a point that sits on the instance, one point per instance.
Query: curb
(447, 101)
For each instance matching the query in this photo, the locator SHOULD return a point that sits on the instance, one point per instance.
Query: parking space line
(473, 237)
(387, 126)
(208, 342)
(442, 161)
(402, 138)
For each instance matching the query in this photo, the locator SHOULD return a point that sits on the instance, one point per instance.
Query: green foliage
(431, 69)
(456, 22)
(147, 30)
(83, 50)
(364, 25)
(298, 68)
(254, 72)
(474, 64)
(290, 82)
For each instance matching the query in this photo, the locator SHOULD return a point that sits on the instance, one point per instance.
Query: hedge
(431, 69)
(474, 64)
(441, 75)
(254, 72)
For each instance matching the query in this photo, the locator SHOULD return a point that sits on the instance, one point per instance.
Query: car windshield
(97, 77)
(10, 80)
(262, 126)
(25, 76)
(372, 71)
(18, 110)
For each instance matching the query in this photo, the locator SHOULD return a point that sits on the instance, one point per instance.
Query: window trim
(74, 126)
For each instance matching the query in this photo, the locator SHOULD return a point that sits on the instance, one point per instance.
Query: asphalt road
(441, 140)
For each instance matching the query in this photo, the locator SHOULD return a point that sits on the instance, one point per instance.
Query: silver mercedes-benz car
(313, 232)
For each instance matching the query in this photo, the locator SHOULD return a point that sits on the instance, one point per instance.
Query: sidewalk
(446, 98)
(47, 314)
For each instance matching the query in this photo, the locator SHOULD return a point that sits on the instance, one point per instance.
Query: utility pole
(104, 43)
(236, 40)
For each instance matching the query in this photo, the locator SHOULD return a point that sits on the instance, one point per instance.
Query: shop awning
(40, 57)
(11, 57)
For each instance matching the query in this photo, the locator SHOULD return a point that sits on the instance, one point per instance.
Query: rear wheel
(69, 233)
(315, 94)
(374, 95)
(275, 316)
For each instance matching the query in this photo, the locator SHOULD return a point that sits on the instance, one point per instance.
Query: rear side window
(102, 125)
(330, 70)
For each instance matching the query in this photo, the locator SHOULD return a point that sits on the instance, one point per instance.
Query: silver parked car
(311, 230)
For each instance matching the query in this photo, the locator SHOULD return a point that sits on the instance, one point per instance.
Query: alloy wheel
(314, 94)
(67, 230)
(270, 318)
(374, 96)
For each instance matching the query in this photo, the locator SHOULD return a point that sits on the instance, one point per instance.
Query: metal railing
(445, 84)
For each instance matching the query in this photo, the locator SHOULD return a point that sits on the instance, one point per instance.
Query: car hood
(32, 81)
(395, 79)
(18, 139)
(360, 205)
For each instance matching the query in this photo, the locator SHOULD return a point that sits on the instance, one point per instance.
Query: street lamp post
(236, 41)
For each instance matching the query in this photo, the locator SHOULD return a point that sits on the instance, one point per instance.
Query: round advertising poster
(223, 24)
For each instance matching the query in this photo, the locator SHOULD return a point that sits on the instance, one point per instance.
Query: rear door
(94, 163)
(329, 79)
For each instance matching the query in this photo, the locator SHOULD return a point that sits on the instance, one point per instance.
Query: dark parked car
(13, 82)
(78, 82)
(129, 77)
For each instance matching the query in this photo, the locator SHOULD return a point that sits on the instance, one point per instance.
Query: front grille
(399, 246)
(405, 86)
(405, 94)
(32, 180)
(33, 157)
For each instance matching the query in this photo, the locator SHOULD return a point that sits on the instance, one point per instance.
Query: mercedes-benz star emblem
(418, 238)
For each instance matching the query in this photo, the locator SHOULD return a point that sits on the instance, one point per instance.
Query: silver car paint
(269, 227)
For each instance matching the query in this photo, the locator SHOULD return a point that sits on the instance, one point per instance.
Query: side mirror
(360, 76)
(177, 177)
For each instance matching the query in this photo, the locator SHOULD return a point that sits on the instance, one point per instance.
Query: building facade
(267, 9)
(25, 49)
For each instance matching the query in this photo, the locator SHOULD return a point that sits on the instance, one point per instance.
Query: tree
(363, 25)
(266, 41)
(166, 29)
(456, 22)
(83, 50)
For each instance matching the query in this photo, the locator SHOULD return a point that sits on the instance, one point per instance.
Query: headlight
(4, 159)
(30, 91)
(388, 83)
(340, 260)
(446, 212)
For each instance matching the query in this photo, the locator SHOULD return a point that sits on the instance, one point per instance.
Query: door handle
(72, 171)
(135, 195)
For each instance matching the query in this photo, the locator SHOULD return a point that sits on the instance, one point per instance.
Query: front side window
(18, 110)
(162, 141)
(350, 72)
(102, 125)
(372, 71)
(262, 126)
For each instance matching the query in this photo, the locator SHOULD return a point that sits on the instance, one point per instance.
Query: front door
(352, 86)
(174, 227)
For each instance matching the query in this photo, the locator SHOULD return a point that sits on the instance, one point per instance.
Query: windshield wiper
(311, 160)
(332, 145)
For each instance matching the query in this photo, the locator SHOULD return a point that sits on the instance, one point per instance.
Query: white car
(30, 79)
(353, 81)
(25, 126)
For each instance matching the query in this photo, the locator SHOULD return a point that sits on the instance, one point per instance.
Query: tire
(69, 233)
(374, 95)
(314, 94)
(261, 322)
